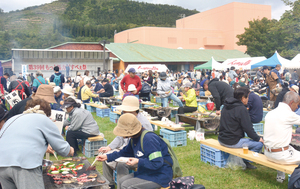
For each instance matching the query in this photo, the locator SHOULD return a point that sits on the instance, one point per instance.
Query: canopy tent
(242, 63)
(273, 61)
(146, 67)
(295, 63)
(212, 64)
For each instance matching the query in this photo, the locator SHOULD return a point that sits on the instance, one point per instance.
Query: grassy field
(205, 174)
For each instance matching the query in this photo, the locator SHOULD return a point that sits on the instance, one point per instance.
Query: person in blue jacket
(153, 162)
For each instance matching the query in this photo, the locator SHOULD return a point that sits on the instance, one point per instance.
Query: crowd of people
(238, 96)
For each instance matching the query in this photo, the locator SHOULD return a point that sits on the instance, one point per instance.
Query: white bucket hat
(68, 90)
(56, 89)
(130, 104)
(131, 87)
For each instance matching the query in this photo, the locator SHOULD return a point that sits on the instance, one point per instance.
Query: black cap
(163, 75)
(265, 68)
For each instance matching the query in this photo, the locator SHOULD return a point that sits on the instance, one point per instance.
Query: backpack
(294, 181)
(145, 88)
(57, 79)
(20, 91)
(175, 167)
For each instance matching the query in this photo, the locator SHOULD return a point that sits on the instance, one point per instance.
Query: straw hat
(131, 87)
(68, 90)
(128, 125)
(45, 92)
(130, 104)
(296, 88)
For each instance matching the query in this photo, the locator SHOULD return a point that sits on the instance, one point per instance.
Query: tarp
(146, 67)
(273, 61)
(242, 63)
(295, 63)
(211, 64)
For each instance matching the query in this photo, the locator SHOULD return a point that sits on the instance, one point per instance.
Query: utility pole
(104, 42)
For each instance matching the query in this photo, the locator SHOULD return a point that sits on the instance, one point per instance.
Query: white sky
(278, 7)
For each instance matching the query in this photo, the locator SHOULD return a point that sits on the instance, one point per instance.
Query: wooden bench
(260, 159)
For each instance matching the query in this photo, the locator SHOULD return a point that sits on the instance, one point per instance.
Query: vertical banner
(12, 98)
(58, 117)
(24, 71)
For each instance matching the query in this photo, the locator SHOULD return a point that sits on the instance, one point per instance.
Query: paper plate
(122, 159)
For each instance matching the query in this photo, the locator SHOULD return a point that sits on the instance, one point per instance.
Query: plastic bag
(201, 109)
(200, 134)
(235, 163)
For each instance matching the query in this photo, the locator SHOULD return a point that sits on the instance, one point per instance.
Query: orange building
(213, 29)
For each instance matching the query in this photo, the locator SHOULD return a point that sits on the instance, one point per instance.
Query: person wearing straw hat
(79, 125)
(131, 105)
(190, 99)
(153, 169)
(44, 92)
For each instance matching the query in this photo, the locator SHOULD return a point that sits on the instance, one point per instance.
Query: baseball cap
(265, 67)
(132, 70)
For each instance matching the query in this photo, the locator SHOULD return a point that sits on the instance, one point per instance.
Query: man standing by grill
(272, 80)
(278, 132)
(219, 90)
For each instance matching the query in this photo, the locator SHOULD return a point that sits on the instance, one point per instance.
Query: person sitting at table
(58, 96)
(130, 89)
(86, 92)
(190, 99)
(235, 121)
(79, 125)
(278, 132)
(29, 135)
(131, 105)
(107, 90)
(153, 162)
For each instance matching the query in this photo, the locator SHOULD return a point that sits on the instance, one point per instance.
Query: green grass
(209, 176)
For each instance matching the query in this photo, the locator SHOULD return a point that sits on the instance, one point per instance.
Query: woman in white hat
(130, 89)
(150, 155)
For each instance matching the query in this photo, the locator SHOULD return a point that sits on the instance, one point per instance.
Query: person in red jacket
(131, 78)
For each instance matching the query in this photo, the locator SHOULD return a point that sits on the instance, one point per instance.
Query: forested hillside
(79, 20)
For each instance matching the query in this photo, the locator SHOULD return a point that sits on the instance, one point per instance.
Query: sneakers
(280, 179)
(249, 166)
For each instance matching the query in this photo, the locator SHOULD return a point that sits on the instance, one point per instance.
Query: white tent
(146, 67)
(295, 63)
(242, 63)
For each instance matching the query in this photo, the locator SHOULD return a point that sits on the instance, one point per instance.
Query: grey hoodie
(81, 119)
(232, 74)
(163, 87)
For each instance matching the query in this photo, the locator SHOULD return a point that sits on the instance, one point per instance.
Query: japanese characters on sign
(58, 117)
(61, 67)
(12, 98)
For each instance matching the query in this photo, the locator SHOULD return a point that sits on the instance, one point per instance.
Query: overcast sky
(278, 7)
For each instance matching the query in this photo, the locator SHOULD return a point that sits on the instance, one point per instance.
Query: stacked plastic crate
(90, 108)
(213, 156)
(264, 114)
(173, 113)
(176, 138)
(102, 112)
(113, 117)
(91, 147)
(258, 128)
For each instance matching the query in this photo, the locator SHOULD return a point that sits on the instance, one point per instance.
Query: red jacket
(127, 80)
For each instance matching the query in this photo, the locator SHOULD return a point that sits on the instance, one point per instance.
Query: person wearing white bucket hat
(58, 98)
(131, 105)
(130, 90)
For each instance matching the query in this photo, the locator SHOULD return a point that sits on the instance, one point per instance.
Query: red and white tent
(146, 67)
(242, 63)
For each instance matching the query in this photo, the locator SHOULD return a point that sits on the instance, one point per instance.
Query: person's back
(255, 108)
(220, 91)
(20, 87)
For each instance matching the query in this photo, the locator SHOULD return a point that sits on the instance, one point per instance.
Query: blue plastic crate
(91, 147)
(147, 106)
(258, 128)
(115, 175)
(102, 112)
(113, 115)
(173, 113)
(173, 135)
(264, 114)
(178, 143)
(116, 93)
(220, 164)
(90, 108)
(113, 120)
(212, 153)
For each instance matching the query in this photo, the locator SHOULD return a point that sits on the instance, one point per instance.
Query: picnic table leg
(177, 119)
(198, 125)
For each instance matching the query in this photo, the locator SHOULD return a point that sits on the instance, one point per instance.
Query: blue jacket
(155, 170)
(56, 106)
(98, 87)
(255, 108)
